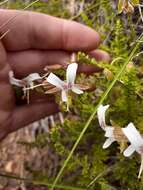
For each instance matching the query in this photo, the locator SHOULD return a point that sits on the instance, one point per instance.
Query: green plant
(78, 142)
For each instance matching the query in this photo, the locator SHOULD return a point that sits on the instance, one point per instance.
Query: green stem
(59, 186)
(86, 10)
(100, 175)
(93, 114)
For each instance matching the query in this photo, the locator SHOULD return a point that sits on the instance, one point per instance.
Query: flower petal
(64, 96)
(32, 77)
(108, 142)
(56, 81)
(77, 90)
(129, 151)
(14, 81)
(101, 115)
(71, 73)
(109, 132)
(133, 136)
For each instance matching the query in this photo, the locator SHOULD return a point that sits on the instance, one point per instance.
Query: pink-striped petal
(71, 73)
(56, 81)
(129, 151)
(101, 115)
(133, 136)
(108, 142)
(64, 96)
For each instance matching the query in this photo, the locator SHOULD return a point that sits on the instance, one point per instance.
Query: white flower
(27, 81)
(112, 133)
(31, 78)
(136, 141)
(109, 131)
(67, 85)
(134, 138)
(14, 81)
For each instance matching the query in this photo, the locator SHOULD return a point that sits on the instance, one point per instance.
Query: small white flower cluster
(121, 135)
(27, 81)
(59, 85)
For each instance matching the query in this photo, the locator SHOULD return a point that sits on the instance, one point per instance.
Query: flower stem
(141, 167)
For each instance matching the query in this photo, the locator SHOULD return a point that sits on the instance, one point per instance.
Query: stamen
(36, 86)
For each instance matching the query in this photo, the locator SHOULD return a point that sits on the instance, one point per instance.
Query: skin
(34, 41)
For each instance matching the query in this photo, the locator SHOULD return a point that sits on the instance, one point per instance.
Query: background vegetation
(91, 167)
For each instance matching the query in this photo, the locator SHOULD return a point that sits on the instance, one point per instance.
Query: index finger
(39, 31)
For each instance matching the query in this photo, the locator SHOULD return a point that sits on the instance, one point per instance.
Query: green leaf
(87, 21)
(135, 2)
(120, 6)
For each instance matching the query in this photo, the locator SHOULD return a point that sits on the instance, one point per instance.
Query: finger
(100, 55)
(6, 92)
(26, 62)
(40, 31)
(40, 97)
(88, 69)
(28, 114)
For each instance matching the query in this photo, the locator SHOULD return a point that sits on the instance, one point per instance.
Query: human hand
(35, 41)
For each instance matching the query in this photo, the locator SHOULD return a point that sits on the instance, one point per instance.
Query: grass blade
(2, 3)
(39, 182)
